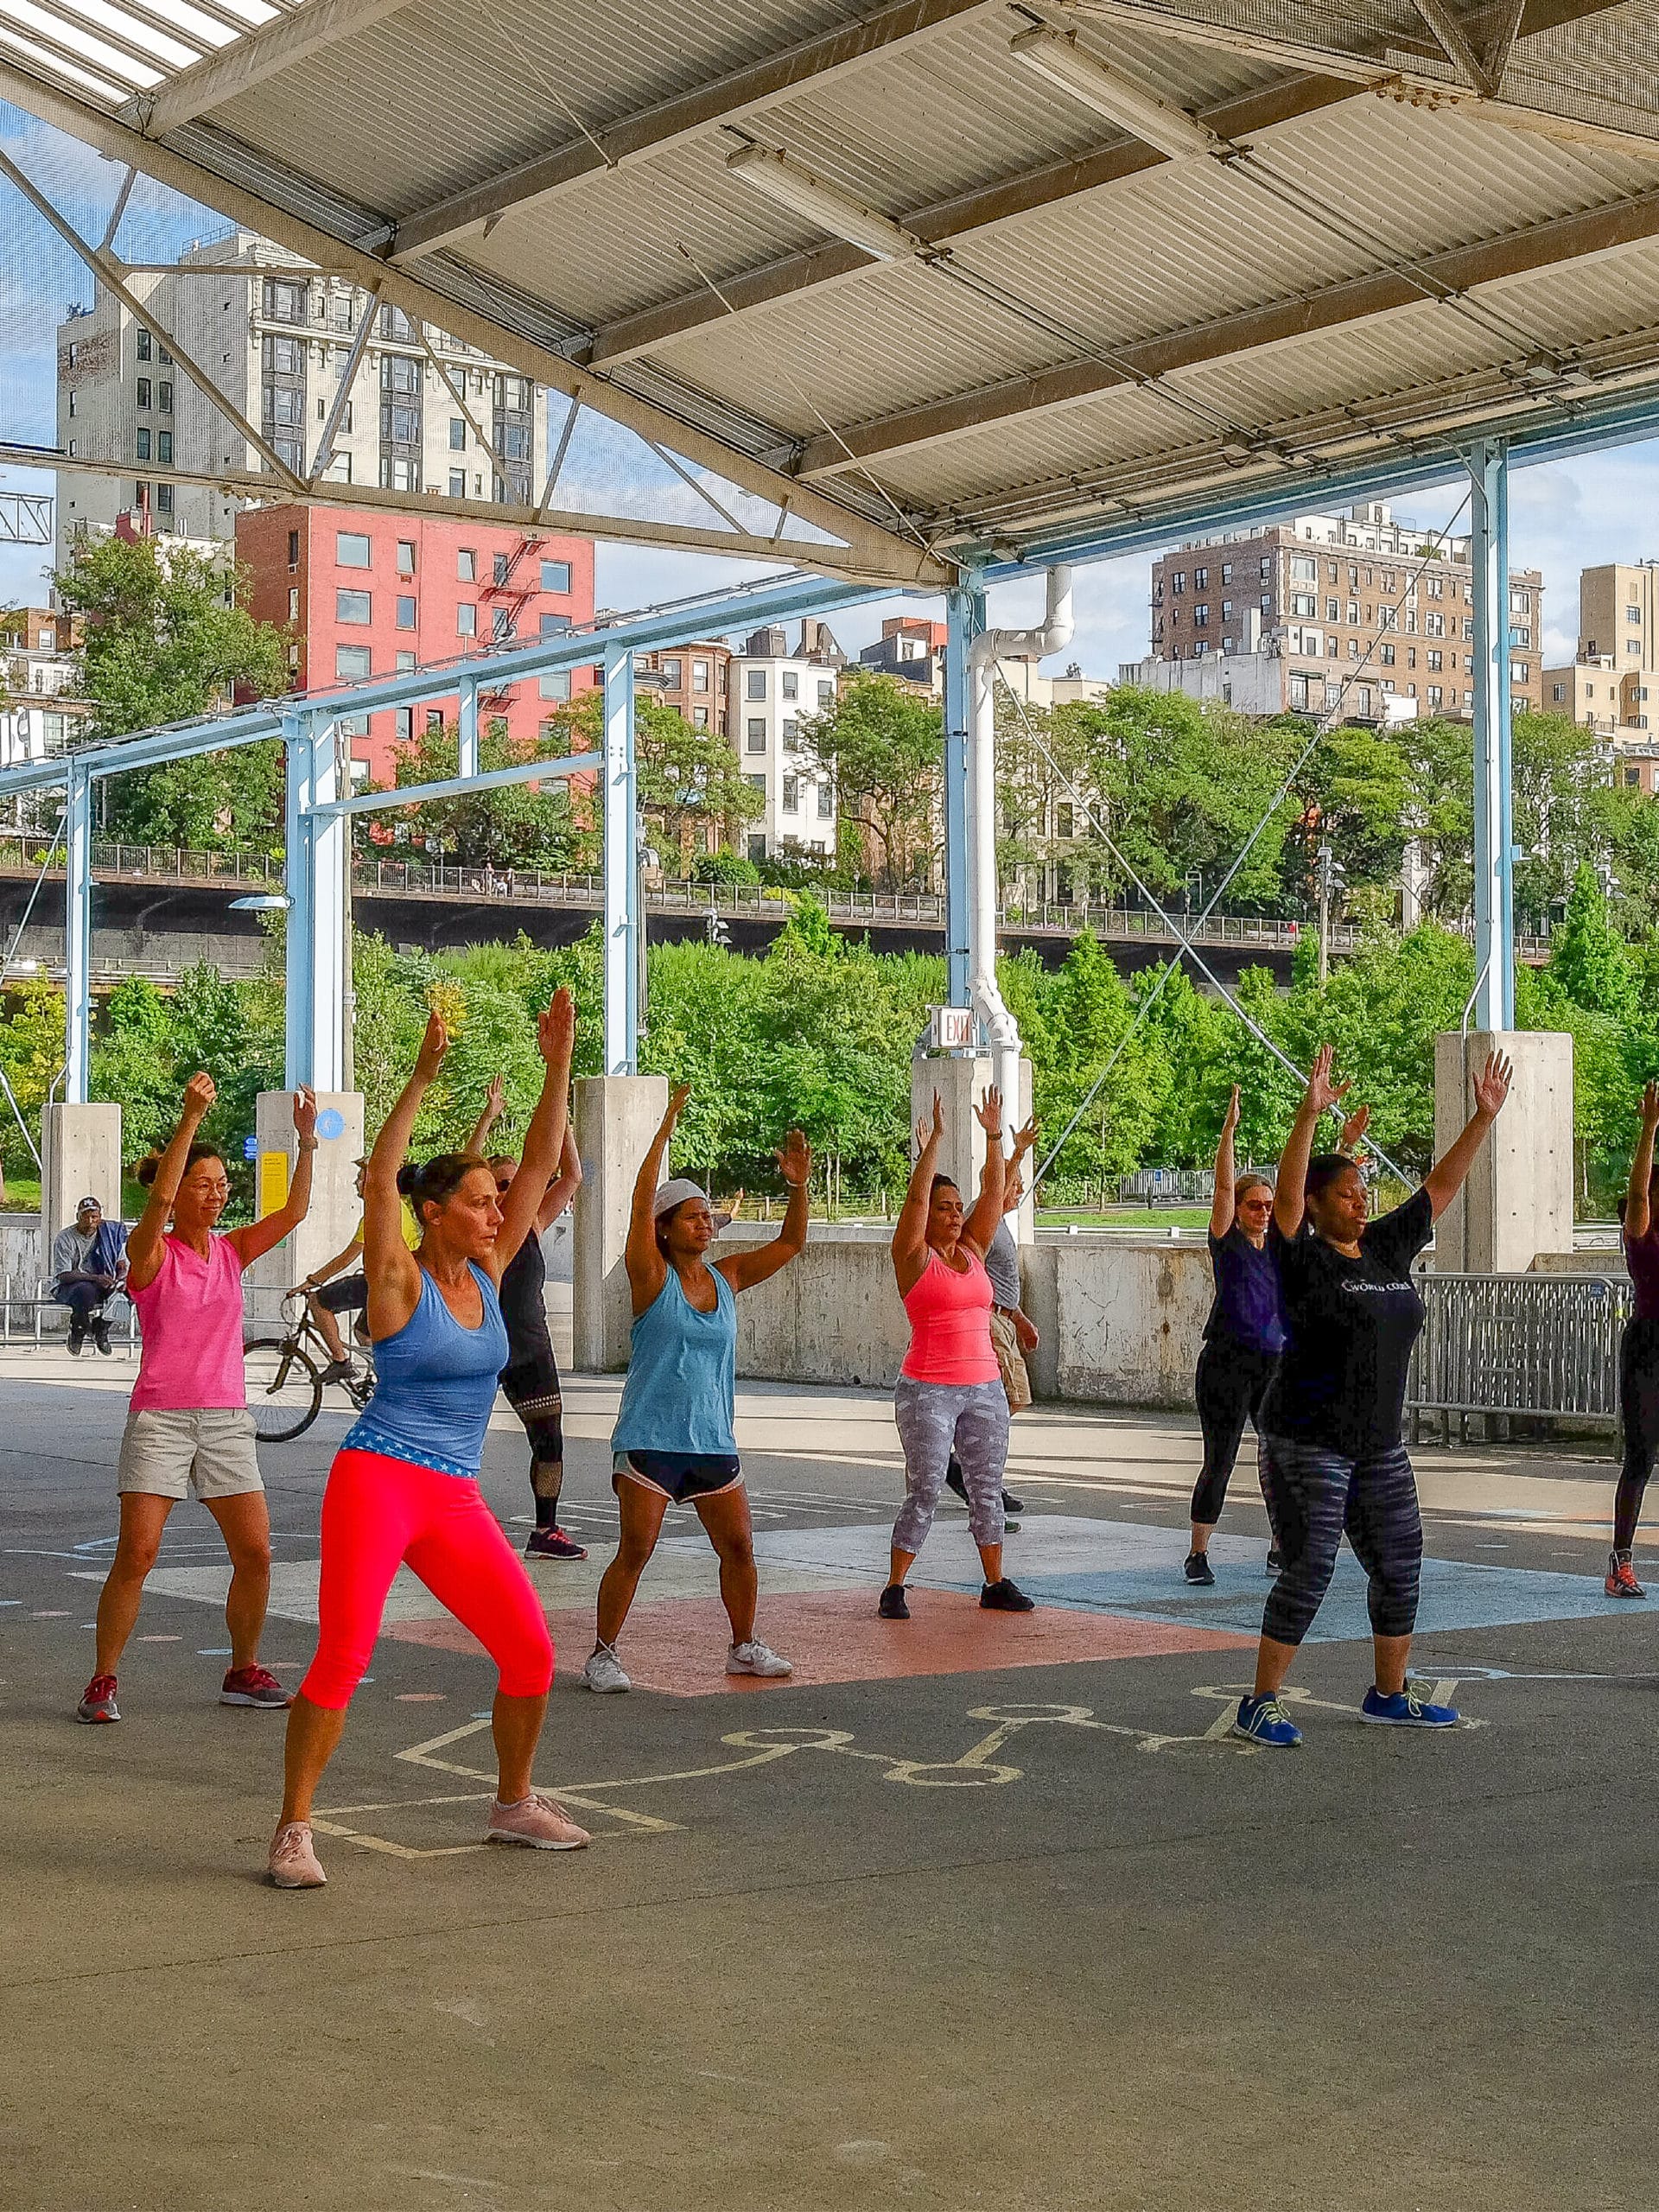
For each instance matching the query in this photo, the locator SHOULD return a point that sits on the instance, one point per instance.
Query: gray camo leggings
(931, 1417)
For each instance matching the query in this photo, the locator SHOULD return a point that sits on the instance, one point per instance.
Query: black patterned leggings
(1638, 1409)
(1320, 1496)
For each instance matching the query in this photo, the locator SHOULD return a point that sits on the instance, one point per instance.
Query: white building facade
(277, 339)
(770, 692)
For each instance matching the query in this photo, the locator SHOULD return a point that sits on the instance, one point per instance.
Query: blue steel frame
(1527, 439)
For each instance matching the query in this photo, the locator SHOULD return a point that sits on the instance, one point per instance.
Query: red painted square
(835, 1636)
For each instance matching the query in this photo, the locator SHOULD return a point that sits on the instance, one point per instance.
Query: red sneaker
(1621, 1577)
(97, 1700)
(253, 1685)
(553, 1543)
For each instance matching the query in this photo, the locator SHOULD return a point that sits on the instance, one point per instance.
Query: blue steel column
(1489, 465)
(964, 616)
(299, 749)
(77, 934)
(467, 731)
(622, 874)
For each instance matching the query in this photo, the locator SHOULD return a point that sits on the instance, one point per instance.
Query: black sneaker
(338, 1371)
(1198, 1570)
(1275, 1562)
(1005, 1597)
(76, 1339)
(553, 1543)
(893, 1607)
(1011, 1504)
(101, 1339)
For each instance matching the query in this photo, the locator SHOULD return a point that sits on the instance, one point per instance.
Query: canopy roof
(1022, 277)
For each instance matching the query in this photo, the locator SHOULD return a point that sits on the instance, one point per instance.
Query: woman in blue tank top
(673, 1442)
(403, 1487)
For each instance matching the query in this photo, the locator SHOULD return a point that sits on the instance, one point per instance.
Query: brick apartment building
(1356, 614)
(693, 679)
(364, 594)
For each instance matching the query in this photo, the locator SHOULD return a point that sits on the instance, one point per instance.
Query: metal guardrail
(1532, 1345)
(24, 852)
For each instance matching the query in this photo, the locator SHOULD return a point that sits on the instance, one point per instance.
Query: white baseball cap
(675, 1193)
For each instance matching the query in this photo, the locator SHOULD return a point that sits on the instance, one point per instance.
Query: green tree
(512, 825)
(1588, 956)
(883, 744)
(164, 639)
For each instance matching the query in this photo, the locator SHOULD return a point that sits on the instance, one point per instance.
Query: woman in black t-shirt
(1242, 1340)
(1351, 1317)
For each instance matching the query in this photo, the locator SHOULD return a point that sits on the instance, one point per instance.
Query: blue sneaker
(1264, 1720)
(1406, 1708)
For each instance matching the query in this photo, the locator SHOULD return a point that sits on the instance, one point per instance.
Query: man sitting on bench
(89, 1264)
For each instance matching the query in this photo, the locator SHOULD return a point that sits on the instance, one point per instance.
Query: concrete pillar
(616, 1116)
(80, 1158)
(962, 1084)
(335, 1207)
(1518, 1199)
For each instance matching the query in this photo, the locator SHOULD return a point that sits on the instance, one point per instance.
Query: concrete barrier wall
(1120, 1319)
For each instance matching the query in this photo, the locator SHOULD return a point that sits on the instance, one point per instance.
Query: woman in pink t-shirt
(190, 1428)
(950, 1393)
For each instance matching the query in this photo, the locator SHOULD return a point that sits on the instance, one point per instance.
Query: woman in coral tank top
(950, 1394)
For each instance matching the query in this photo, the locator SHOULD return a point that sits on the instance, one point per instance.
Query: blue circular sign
(331, 1122)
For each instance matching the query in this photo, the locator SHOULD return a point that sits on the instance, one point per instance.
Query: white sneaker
(756, 1658)
(604, 1670)
(293, 1862)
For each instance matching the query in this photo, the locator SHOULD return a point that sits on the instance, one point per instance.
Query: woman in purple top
(1639, 1355)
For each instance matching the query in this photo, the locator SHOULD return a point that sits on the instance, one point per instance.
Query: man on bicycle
(349, 1296)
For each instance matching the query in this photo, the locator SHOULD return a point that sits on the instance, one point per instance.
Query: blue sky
(1563, 516)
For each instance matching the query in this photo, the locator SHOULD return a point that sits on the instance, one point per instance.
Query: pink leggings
(378, 1513)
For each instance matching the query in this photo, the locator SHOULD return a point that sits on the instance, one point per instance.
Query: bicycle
(285, 1374)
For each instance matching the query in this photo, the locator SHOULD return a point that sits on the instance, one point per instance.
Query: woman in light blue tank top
(403, 1487)
(673, 1442)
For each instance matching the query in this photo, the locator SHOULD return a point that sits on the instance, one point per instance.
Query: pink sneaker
(538, 1820)
(293, 1862)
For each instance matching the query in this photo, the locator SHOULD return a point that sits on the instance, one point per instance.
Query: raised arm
(258, 1238)
(556, 1034)
(330, 1268)
(1290, 1195)
(744, 1269)
(393, 1272)
(1221, 1205)
(565, 1184)
(982, 1224)
(1445, 1178)
(145, 1245)
(1638, 1217)
(647, 1269)
(910, 1230)
(495, 1105)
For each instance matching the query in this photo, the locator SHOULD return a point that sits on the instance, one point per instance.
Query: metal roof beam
(810, 63)
(568, 522)
(295, 36)
(1542, 246)
(871, 547)
(955, 219)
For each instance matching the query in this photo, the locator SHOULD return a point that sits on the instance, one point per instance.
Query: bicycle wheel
(285, 1388)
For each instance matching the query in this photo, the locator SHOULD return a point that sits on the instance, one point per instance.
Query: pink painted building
(362, 593)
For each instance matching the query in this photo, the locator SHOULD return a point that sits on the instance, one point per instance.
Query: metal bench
(26, 1302)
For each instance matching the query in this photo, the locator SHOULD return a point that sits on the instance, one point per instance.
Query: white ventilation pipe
(984, 652)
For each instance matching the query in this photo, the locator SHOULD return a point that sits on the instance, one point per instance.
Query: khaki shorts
(1011, 1361)
(207, 1449)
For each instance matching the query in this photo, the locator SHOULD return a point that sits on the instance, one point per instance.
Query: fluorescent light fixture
(827, 205)
(1120, 98)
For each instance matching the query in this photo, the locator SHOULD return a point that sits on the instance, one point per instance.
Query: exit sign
(952, 1028)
